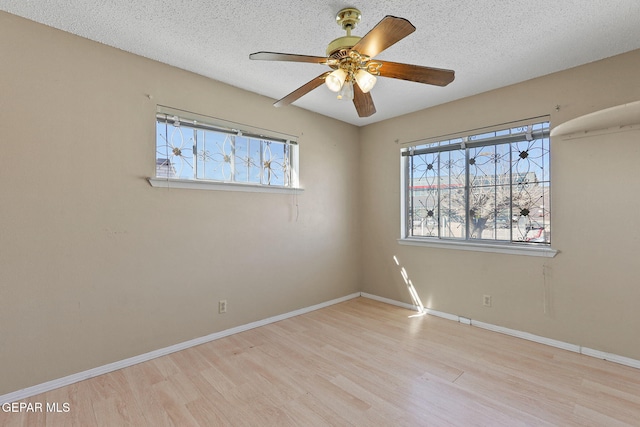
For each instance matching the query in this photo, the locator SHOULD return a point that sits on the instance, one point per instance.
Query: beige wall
(592, 287)
(95, 264)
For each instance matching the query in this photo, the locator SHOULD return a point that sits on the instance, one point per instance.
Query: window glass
(194, 150)
(489, 186)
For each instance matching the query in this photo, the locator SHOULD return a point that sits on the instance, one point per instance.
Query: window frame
(467, 140)
(217, 128)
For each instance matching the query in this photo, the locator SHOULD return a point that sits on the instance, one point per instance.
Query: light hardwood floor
(361, 363)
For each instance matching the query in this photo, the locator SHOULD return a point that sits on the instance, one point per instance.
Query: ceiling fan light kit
(350, 57)
(346, 91)
(365, 80)
(336, 79)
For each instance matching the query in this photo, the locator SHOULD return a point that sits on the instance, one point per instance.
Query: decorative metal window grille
(492, 186)
(193, 149)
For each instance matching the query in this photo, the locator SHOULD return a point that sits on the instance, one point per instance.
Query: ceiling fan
(354, 71)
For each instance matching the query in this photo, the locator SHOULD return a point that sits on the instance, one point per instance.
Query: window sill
(220, 186)
(512, 249)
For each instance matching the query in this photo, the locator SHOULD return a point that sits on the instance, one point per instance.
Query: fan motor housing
(341, 46)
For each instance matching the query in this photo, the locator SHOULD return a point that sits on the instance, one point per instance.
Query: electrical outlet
(222, 306)
(486, 300)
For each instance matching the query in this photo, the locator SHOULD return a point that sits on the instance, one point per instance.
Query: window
(492, 186)
(198, 148)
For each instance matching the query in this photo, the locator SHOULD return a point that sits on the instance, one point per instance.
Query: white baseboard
(627, 361)
(100, 370)
(527, 336)
(390, 301)
(446, 315)
(81, 376)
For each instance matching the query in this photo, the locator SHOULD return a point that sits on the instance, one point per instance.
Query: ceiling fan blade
(416, 73)
(389, 31)
(275, 56)
(301, 91)
(363, 102)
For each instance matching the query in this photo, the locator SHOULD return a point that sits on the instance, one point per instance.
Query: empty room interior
(456, 245)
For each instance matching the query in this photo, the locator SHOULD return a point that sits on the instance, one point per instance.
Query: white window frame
(181, 118)
(466, 244)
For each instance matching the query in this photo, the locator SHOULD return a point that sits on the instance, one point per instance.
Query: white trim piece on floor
(390, 301)
(627, 361)
(100, 370)
(527, 336)
(413, 307)
(621, 360)
(81, 376)
(445, 315)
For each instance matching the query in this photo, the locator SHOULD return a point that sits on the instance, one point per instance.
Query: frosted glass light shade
(346, 92)
(365, 80)
(335, 80)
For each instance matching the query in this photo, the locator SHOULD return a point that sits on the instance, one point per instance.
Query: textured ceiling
(489, 44)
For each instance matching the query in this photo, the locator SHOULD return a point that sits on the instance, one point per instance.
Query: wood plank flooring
(361, 363)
